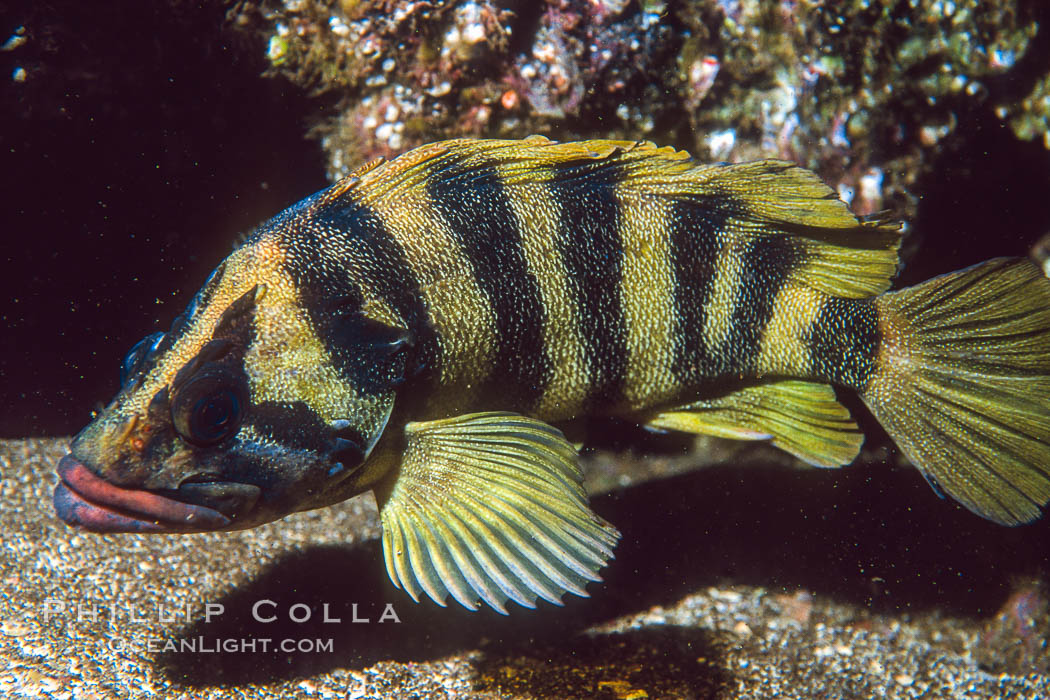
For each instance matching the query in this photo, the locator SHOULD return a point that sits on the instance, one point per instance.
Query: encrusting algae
(426, 328)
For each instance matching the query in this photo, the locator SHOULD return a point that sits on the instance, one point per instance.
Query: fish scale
(424, 329)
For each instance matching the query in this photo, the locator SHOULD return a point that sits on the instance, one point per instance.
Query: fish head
(242, 413)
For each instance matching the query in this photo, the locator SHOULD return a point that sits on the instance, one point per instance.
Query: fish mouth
(88, 502)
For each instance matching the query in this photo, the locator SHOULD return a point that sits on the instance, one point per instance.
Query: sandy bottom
(738, 576)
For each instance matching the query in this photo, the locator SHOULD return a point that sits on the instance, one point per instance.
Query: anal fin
(803, 418)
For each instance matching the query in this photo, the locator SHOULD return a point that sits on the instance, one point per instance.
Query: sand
(739, 575)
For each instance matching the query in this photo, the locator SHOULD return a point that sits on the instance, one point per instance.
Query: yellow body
(647, 183)
(421, 328)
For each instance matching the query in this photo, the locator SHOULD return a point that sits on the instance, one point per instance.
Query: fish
(430, 327)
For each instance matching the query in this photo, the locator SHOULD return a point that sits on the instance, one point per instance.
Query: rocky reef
(861, 91)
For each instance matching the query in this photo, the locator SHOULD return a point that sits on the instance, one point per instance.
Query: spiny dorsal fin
(843, 256)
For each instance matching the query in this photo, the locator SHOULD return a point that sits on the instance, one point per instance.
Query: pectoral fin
(490, 506)
(802, 418)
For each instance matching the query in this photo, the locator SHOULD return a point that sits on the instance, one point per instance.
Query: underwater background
(140, 139)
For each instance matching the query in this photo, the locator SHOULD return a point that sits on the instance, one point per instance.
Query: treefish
(426, 328)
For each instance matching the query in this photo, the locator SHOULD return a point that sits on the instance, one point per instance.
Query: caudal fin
(963, 385)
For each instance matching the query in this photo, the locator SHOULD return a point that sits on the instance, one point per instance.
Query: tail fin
(963, 385)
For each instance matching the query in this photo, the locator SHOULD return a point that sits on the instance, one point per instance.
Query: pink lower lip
(85, 500)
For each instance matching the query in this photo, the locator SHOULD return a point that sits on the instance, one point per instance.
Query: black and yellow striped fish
(419, 329)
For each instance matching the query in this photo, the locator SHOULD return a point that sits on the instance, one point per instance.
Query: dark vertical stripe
(480, 217)
(591, 250)
(693, 228)
(294, 425)
(766, 263)
(844, 342)
(344, 235)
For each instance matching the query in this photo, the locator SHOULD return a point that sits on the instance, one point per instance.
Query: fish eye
(138, 352)
(208, 408)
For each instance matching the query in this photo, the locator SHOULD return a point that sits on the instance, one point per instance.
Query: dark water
(141, 143)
